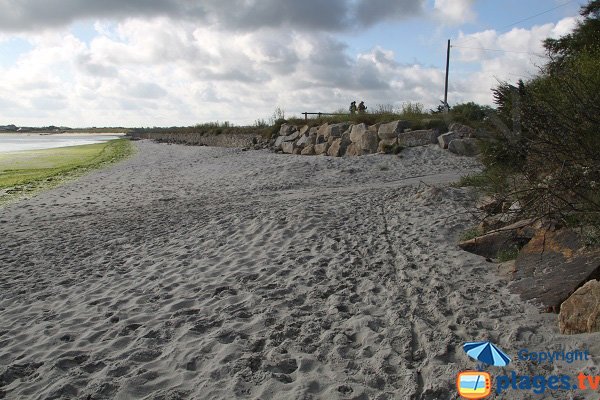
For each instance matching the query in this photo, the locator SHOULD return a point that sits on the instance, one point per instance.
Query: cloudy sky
(180, 62)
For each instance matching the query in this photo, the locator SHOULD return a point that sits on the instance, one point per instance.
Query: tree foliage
(548, 128)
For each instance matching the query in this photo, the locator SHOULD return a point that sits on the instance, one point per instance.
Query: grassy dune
(28, 171)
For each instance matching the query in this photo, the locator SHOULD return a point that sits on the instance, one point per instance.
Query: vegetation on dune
(27, 171)
(416, 113)
(546, 152)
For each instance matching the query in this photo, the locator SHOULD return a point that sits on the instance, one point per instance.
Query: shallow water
(21, 142)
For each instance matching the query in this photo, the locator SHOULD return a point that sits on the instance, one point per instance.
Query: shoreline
(25, 173)
(65, 134)
(201, 272)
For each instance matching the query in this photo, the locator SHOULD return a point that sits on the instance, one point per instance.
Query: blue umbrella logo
(486, 353)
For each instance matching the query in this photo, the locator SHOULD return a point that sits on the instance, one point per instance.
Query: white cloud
(509, 56)
(154, 72)
(454, 12)
(158, 71)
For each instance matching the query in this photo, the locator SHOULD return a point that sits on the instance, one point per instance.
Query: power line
(527, 19)
(499, 50)
(537, 15)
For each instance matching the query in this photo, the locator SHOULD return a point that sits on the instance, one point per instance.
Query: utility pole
(446, 107)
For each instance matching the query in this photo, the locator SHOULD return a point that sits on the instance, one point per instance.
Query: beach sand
(211, 273)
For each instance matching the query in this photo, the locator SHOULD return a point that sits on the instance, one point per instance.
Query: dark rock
(552, 266)
(506, 238)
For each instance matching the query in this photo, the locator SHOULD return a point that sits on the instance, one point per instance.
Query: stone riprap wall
(240, 140)
(346, 139)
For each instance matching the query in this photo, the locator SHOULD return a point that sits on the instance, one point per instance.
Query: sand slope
(208, 273)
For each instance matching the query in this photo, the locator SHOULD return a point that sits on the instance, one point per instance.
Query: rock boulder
(580, 313)
(335, 130)
(321, 148)
(357, 132)
(287, 147)
(463, 130)
(465, 147)
(306, 140)
(353, 150)
(417, 138)
(364, 139)
(309, 150)
(445, 139)
(553, 265)
(287, 129)
(391, 130)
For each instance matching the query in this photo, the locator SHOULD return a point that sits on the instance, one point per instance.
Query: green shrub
(507, 254)
(468, 113)
(547, 129)
(471, 233)
(391, 149)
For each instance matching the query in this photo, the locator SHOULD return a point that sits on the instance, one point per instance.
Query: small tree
(549, 128)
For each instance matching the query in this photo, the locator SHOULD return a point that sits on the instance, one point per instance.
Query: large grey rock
(287, 129)
(336, 130)
(278, 142)
(287, 147)
(291, 137)
(321, 148)
(445, 139)
(369, 142)
(580, 313)
(357, 132)
(304, 130)
(553, 265)
(335, 150)
(392, 129)
(417, 138)
(306, 140)
(339, 146)
(322, 134)
(354, 150)
(463, 130)
(465, 147)
(365, 139)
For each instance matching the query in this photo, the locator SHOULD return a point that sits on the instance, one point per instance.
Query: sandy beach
(209, 273)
